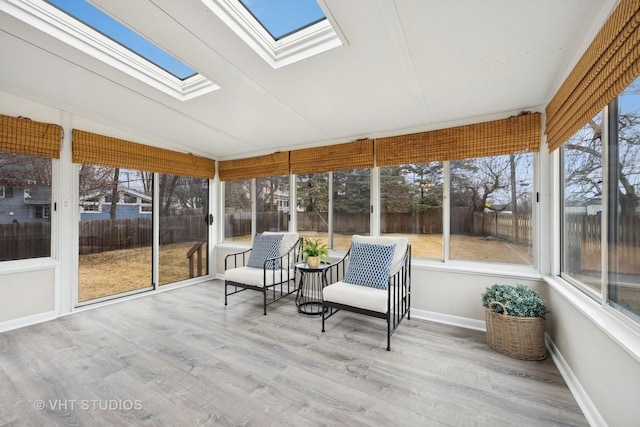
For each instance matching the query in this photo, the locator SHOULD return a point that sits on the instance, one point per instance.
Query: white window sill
(31, 264)
(603, 317)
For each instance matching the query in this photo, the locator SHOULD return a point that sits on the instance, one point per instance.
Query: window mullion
(609, 192)
(446, 211)
(330, 213)
(155, 203)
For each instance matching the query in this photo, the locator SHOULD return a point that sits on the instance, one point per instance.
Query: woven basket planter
(517, 337)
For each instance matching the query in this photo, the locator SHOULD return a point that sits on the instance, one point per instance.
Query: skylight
(280, 31)
(100, 21)
(284, 17)
(93, 32)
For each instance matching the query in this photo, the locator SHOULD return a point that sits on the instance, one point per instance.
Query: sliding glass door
(115, 236)
(183, 211)
(116, 231)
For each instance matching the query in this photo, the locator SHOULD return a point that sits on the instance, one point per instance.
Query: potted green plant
(313, 252)
(515, 321)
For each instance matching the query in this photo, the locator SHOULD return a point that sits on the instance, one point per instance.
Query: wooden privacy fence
(583, 245)
(430, 221)
(25, 240)
(110, 235)
(427, 222)
(239, 224)
(515, 228)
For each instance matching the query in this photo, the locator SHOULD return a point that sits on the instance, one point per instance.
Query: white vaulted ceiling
(405, 66)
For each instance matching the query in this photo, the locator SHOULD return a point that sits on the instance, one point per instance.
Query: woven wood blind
(24, 136)
(352, 155)
(94, 149)
(275, 164)
(512, 135)
(608, 66)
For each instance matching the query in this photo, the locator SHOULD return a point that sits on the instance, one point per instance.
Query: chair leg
(264, 302)
(225, 293)
(388, 334)
(323, 309)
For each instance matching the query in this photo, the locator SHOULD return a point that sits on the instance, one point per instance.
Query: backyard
(113, 272)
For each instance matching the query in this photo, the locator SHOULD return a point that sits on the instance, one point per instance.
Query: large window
(25, 200)
(411, 205)
(272, 204)
(624, 203)
(237, 210)
(601, 210)
(582, 207)
(333, 206)
(183, 212)
(491, 209)
(312, 191)
(115, 241)
(351, 206)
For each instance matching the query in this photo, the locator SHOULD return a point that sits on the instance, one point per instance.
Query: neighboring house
(21, 205)
(130, 204)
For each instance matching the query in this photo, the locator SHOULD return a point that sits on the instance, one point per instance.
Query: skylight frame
(120, 26)
(308, 42)
(53, 21)
(262, 22)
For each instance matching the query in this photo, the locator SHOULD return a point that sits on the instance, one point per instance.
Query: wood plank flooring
(181, 358)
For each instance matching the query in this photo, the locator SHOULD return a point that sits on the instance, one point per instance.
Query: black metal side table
(312, 280)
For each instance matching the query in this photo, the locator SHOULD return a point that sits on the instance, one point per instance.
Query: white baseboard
(582, 398)
(448, 319)
(21, 322)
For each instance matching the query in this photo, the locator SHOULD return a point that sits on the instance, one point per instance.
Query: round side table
(312, 280)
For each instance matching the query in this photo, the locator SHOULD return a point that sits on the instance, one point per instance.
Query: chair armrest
(402, 276)
(335, 272)
(238, 259)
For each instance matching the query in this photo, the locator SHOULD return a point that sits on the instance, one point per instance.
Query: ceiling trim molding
(47, 18)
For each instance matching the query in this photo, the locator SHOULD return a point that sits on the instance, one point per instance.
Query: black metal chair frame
(398, 297)
(283, 281)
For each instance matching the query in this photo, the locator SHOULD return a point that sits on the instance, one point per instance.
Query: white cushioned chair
(374, 279)
(268, 267)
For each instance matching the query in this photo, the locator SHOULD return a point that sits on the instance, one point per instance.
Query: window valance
(95, 149)
(351, 155)
(25, 136)
(275, 164)
(607, 67)
(511, 135)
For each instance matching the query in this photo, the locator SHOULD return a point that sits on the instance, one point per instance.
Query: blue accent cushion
(265, 246)
(369, 265)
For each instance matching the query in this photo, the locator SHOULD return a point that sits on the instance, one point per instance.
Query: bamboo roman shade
(608, 66)
(515, 134)
(352, 155)
(275, 164)
(94, 149)
(25, 136)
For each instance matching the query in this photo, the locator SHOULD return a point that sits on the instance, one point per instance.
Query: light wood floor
(181, 358)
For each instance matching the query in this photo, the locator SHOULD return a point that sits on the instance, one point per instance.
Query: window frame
(609, 137)
(300, 45)
(528, 271)
(9, 192)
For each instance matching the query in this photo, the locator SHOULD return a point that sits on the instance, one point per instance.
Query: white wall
(27, 294)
